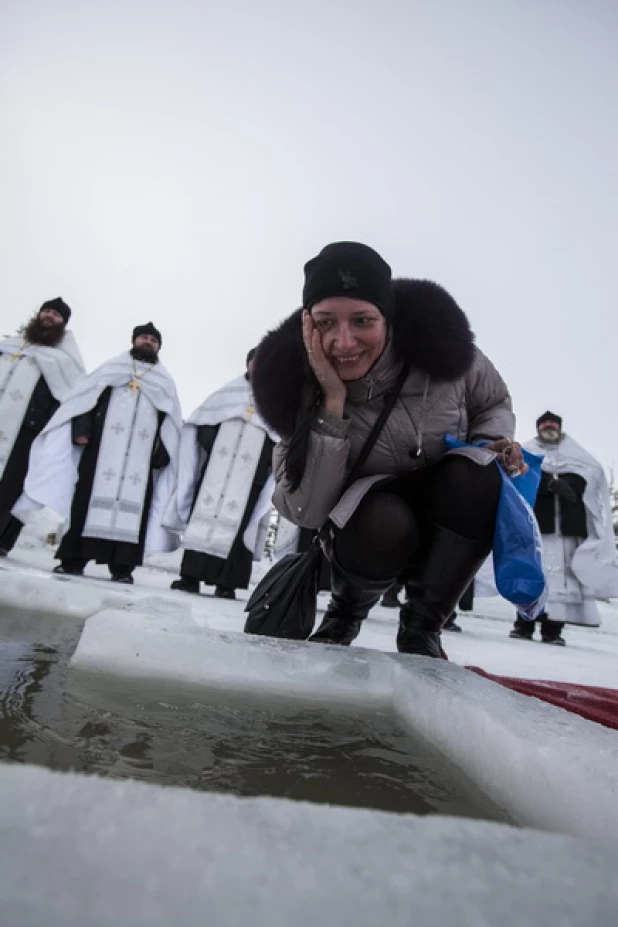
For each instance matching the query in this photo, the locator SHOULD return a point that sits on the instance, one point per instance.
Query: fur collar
(430, 333)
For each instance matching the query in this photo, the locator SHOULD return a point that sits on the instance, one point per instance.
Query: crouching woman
(416, 509)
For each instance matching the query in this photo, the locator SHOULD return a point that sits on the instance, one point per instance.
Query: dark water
(219, 744)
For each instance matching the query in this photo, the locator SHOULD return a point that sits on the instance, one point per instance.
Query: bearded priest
(573, 509)
(38, 367)
(108, 461)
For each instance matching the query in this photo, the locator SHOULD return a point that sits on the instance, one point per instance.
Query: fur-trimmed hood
(429, 332)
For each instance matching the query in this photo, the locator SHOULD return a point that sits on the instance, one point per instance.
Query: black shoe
(68, 571)
(351, 600)
(222, 592)
(556, 641)
(449, 565)
(187, 584)
(522, 630)
(124, 578)
(551, 631)
(451, 625)
(389, 599)
(520, 636)
(9, 535)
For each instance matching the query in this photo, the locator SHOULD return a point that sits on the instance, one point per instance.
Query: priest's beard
(144, 354)
(39, 332)
(550, 435)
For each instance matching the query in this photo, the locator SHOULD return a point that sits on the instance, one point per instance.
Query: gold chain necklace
(18, 354)
(134, 383)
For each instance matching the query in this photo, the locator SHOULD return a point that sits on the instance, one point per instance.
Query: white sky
(179, 161)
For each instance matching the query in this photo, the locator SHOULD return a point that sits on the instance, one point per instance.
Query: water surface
(216, 744)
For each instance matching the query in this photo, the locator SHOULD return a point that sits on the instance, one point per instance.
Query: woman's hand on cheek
(332, 386)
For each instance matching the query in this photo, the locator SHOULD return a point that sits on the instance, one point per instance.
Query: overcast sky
(179, 161)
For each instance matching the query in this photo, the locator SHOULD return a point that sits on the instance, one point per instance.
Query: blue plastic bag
(517, 549)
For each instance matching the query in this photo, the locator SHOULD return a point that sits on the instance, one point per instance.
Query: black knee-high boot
(439, 581)
(351, 600)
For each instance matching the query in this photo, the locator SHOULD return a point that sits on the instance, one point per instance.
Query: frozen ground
(591, 656)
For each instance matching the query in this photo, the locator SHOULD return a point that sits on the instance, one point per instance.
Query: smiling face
(46, 328)
(353, 334)
(51, 317)
(549, 431)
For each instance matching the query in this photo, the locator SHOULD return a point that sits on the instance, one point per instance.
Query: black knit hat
(348, 268)
(147, 329)
(60, 306)
(549, 417)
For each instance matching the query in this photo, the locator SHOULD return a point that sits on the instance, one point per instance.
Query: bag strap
(387, 408)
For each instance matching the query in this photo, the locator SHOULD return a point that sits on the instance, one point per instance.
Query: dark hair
(250, 356)
(295, 459)
(549, 417)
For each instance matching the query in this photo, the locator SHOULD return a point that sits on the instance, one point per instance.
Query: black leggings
(388, 529)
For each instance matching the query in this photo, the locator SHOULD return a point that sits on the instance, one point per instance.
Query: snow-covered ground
(81, 851)
(591, 655)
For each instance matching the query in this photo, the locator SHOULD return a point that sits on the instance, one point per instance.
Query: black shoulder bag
(283, 604)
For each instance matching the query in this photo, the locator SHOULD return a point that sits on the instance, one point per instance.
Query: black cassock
(76, 550)
(234, 571)
(571, 521)
(40, 409)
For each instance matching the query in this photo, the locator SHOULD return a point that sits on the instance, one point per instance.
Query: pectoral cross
(15, 356)
(134, 387)
(250, 412)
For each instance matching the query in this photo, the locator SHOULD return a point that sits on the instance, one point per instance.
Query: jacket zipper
(421, 419)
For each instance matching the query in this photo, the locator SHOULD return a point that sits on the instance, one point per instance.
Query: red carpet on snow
(591, 702)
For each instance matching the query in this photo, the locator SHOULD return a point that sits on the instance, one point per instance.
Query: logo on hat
(348, 280)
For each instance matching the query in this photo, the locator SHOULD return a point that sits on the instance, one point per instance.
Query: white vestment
(579, 571)
(21, 366)
(211, 525)
(119, 486)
